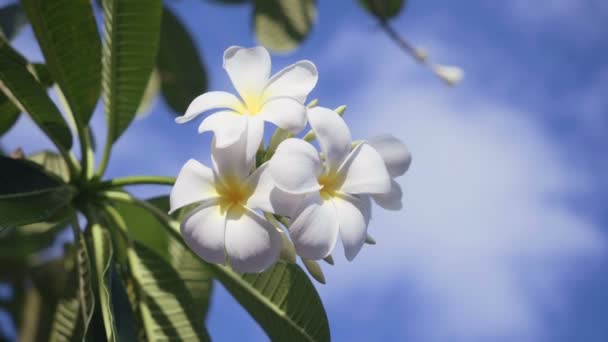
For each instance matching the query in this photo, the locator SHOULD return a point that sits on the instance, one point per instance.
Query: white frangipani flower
(397, 159)
(337, 188)
(278, 99)
(225, 224)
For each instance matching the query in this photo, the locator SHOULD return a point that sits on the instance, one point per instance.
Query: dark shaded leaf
(383, 9)
(18, 84)
(9, 114)
(283, 25)
(29, 195)
(132, 30)
(67, 34)
(182, 73)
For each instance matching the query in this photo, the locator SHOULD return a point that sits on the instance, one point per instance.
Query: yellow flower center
(233, 193)
(329, 185)
(252, 104)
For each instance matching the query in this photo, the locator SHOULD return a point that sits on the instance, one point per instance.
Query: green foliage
(9, 114)
(18, 84)
(182, 74)
(383, 9)
(29, 195)
(282, 300)
(68, 37)
(12, 20)
(283, 25)
(132, 31)
(52, 163)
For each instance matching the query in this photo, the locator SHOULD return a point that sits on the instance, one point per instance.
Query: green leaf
(52, 163)
(9, 114)
(167, 308)
(383, 9)
(132, 30)
(182, 73)
(102, 251)
(18, 84)
(12, 20)
(282, 25)
(67, 34)
(152, 90)
(29, 195)
(75, 307)
(282, 300)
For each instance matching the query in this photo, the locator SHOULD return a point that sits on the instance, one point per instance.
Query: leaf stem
(86, 151)
(137, 180)
(104, 159)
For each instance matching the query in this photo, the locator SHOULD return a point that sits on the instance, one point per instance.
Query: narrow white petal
(249, 69)
(285, 112)
(395, 154)
(209, 101)
(203, 231)
(392, 199)
(296, 80)
(314, 231)
(226, 126)
(231, 161)
(332, 133)
(268, 197)
(295, 166)
(194, 183)
(364, 172)
(255, 135)
(252, 243)
(353, 216)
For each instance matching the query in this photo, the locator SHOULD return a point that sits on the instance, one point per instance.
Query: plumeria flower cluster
(319, 196)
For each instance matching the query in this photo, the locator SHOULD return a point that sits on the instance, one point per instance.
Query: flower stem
(104, 159)
(137, 180)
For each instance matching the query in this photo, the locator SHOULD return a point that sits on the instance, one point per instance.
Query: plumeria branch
(137, 180)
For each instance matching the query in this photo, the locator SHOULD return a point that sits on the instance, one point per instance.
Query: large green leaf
(383, 9)
(101, 243)
(132, 30)
(283, 25)
(182, 73)
(19, 85)
(67, 34)
(52, 163)
(27, 194)
(167, 308)
(12, 20)
(9, 114)
(282, 299)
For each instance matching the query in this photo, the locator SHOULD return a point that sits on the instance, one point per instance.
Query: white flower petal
(255, 135)
(364, 172)
(295, 167)
(208, 101)
(203, 231)
(226, 126)
(249, 69)
(252, 243)
(268, 197)
(194, 183)
(332, 133)
(231, 161)
(314, 231)
(285, 112)
(296, 80)
(392, 199)
(353, 216)
(395, 154)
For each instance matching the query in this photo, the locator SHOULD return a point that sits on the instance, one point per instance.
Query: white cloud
(485, 234)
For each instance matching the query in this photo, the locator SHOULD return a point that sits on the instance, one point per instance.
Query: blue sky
(503, 236)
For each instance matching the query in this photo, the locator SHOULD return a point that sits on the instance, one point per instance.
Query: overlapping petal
(227, 127)
(314, 231)
(364, 172)
(203, 231)
(268, 197)
(208, 101)
(194, 183)
(395, 154)
(296, 81)
(295, 167)
(231, 161)
(392, 199)
(252, 243)
(332, 133)
(248, 69)
(353, 217)
(285, 112)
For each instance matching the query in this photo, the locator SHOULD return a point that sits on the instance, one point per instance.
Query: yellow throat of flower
(329, 185)
(252, 104)
(233, 194)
